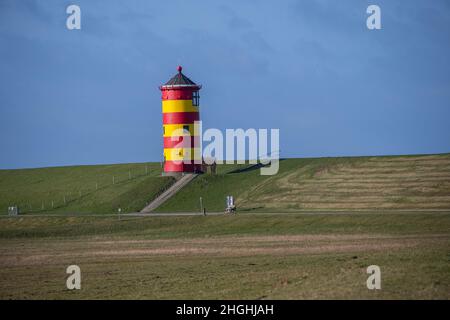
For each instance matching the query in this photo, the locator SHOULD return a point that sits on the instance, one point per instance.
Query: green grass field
(356, 183)
(248, 256)
(82, 189)
(308, 232)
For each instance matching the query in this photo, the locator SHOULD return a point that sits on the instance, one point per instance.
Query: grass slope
(85, 189)
(356, 183)
(348, 183)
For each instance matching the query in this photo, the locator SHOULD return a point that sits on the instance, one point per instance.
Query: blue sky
(310, 68)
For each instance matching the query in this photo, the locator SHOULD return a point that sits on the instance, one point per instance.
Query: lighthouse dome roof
(180, 80)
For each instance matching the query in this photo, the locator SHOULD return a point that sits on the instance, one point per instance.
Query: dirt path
(27, 253)
(166, 195)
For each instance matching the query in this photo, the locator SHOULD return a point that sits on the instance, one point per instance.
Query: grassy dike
(328, 184)
(315, 184)
(82, 189)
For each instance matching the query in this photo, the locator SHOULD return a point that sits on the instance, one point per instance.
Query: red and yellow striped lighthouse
(180, 109)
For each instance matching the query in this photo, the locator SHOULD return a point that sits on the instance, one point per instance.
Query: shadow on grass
(252, 167)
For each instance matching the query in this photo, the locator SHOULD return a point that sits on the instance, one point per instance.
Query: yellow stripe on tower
(180, 154)
(177, 130)
(178, 106)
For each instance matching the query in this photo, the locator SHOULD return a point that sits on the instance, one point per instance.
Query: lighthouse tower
(180, 109)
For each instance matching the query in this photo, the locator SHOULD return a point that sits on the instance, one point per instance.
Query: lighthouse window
(186, 127)
(195, 98)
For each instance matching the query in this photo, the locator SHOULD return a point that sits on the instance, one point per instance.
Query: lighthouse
(180, 110)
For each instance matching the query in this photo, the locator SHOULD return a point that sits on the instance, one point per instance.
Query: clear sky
(310, 68)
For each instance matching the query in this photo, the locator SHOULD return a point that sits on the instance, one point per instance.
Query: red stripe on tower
(180, 117)
(171, 166)
(181, 142)
(176, 94)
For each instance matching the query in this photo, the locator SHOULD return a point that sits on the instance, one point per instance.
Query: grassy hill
(245, 256)
(356, 183)
(348, 183)
(82, 189)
